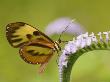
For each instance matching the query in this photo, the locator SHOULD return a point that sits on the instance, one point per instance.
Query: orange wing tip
(42, 67)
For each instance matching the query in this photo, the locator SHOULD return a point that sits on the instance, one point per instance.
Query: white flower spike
(85, 42)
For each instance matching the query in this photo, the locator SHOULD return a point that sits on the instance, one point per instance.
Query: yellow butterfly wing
(37, 53)
(35, 46)
(19, 33)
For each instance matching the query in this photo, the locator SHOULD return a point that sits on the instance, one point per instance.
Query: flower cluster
(80, 42)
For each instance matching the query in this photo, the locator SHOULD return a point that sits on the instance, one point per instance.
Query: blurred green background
(94, 15)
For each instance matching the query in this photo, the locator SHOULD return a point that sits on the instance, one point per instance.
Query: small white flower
(83, 43)
(84, 40)
(73, 47)
(93, 37)
(107, 35)
(79, 40)
(89, 41)
(100, 35)
(85, 35)
(70, 47)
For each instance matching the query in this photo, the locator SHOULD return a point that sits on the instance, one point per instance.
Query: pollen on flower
(81, 41)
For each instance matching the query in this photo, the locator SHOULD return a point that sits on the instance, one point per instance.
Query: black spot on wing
(14, 36)
(35, 54)
(29, 36)
(20, 44)
(31, 52)
(36, 33)
(16, 40)
(39, 45)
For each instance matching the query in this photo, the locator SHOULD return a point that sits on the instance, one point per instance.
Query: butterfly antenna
(65, 29)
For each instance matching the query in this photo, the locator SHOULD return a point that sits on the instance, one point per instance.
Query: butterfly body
(35, 46)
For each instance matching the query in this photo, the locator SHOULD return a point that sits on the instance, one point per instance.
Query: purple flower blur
(59, 25)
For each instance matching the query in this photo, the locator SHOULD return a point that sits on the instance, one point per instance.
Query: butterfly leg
(42, 67)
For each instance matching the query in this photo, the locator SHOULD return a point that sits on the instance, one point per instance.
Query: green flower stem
(66, 71)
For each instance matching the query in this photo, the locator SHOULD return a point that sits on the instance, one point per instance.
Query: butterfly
(34, 46)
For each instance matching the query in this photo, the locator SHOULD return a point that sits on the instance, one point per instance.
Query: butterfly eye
(29, 36)
(36, 33)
